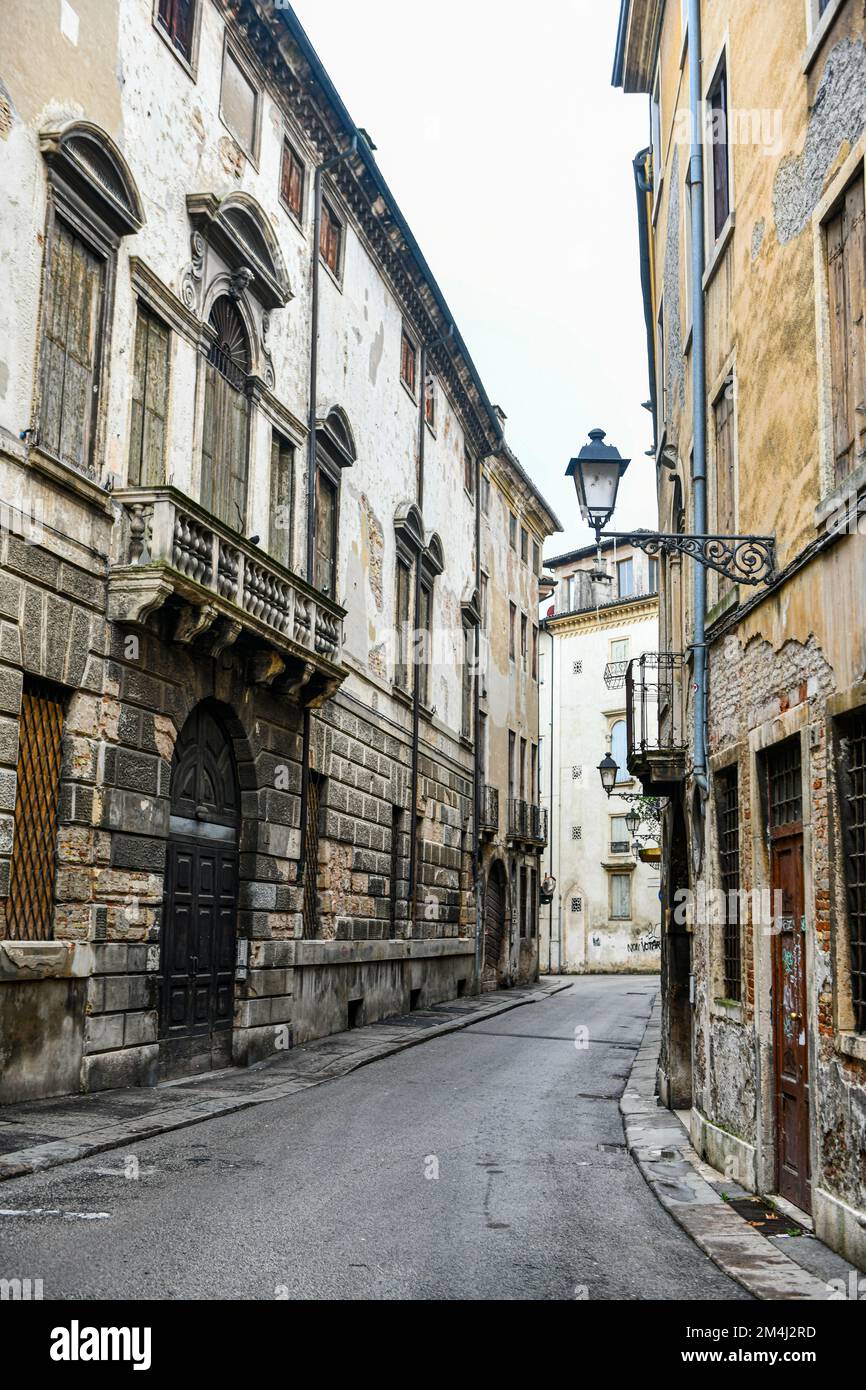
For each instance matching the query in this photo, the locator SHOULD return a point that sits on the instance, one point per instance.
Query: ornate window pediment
(334, 434)
(409, 530)
(87, 162)
(433, 559)
(238, 228)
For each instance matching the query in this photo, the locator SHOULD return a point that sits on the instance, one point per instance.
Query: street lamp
(608, 770)
(632, 821)
(597, 471)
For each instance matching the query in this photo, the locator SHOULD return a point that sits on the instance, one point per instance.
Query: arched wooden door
(199, 915)
(495, 909)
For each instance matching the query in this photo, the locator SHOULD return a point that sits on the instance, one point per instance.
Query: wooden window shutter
(292, 180)
(846, 258)
(71, 349)
(176, 18)
(30, 905)
(326, 534)
(149, 401)
(725, 483)
(282, 463)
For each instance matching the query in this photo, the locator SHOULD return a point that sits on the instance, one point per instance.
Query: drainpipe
(416, 693)
(699, 390)
(321, 170)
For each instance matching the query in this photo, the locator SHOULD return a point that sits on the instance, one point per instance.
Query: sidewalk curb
(682, 1183)
(203, 1106)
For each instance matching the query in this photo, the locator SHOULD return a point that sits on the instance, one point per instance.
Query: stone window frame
(625, 871)
(190, 63)
(100, 216)
(231, 49)
(717, 246)
(737, 756)
(831, 496)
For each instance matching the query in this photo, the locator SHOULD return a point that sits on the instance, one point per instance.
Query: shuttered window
(425, 641)
(846, 256)
(149, 401)
(620, 897)
(408, 361)
(721, 192)
(330, 239)
(30, 905)
(723, 421)
(404, 590)
(728, 817)
(853, 800)
(177, 18)
(282, 501)
(326, 534)
(292, 181)
(468, 664)
(225, 433)
(70, 360)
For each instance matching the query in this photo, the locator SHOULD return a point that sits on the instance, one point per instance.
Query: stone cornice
(615, 615)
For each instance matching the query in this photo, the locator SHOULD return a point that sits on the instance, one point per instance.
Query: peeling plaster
(758, 237)
(377, 348)
(838, 117)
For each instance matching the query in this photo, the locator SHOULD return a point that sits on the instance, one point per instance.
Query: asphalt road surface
(487, 1164)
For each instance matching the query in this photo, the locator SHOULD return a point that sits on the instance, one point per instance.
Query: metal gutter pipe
(699, 390)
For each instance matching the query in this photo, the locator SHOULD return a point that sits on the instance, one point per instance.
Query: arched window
(619, 750)
(225, 434)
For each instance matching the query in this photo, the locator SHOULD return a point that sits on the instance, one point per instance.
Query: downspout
(550, 842)
(321, 170)
(476, 724)
(699, 391)
(416, 683)
(643, 187)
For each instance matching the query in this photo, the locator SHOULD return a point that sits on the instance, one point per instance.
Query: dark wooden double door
(199, 920)
(495, 921)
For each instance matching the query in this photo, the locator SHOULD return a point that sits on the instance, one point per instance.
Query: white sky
(510, 155)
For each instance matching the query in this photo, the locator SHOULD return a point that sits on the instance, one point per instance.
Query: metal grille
(577, 668)
(784, 783)
(577, 904)
(30, 906)
(577, 774)
(728, 811)
(854, 818)
(311, 857)
(577, 832)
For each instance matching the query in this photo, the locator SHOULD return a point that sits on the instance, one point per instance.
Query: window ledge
(189, 65)
(816, 43)
(718, 254)
(332, 274)
(409, 392)
(840, 505)
(69, 478)
(297, 222)
(728, 1008)
(852, 1045)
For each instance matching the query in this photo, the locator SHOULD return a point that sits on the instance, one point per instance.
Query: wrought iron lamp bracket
(743, 559)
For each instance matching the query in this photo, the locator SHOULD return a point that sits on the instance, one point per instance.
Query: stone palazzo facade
(252, 488)
(764, 1035)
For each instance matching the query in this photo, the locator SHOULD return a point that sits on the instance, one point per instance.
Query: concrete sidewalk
(41, 1134)
(695, 1195)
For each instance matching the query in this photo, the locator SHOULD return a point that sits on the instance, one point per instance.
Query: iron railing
(490, 808)
(654, 704)
(538, 824)
(518, 819)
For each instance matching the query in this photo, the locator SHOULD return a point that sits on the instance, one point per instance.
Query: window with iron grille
(853, 799)
(728, 819)
(577, 832)
(311, 854)
(785, 784)
(292, 173)
(577, 774)
(577, 668)
(577, 904)
(30, 905)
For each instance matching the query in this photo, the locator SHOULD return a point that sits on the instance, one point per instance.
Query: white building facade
(605, 913)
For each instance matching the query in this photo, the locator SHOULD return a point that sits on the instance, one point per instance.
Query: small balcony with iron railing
(217, 590)
(526, 823)
(655, 724)
(489, 820)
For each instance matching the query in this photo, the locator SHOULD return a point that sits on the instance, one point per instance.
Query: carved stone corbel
(323, 695)
(226, 634)
(293, 688)
(134, 594)
(267, 666)
(193, 621)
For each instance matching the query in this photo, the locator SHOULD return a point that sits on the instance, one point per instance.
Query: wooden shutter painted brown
(282, 460)
(723, 412)
(846, 257)
(326, 534)
(149, 401)
(70, 351)
(30, 905)
(292, 180)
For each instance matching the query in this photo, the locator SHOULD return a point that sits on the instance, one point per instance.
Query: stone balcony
(217, 589)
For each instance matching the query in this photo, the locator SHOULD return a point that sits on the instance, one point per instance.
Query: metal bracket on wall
(742, 559)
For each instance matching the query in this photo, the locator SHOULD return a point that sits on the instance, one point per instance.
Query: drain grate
(763, 1217)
